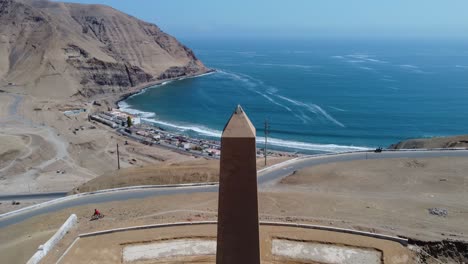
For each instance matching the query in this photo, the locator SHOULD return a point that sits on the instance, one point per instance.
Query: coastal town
(134, 128)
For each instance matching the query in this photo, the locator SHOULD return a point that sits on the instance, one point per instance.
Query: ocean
(318, 96)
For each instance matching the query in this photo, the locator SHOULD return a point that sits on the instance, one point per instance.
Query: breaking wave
(142, 114)
(204, 131)
(287, 144)
(311, 146)
(186, 128)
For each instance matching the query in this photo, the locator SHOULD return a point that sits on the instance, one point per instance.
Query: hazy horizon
(302, 19)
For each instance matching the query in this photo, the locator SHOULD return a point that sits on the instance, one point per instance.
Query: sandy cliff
(59, 50)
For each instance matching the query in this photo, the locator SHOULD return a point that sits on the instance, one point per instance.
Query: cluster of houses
(149, 135)
(162, 137)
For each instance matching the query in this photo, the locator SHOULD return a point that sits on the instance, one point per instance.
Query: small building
(103, 121)
(142, 133)
(124, 115)
(188, 146)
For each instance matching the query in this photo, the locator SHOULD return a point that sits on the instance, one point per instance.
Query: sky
(432, 19)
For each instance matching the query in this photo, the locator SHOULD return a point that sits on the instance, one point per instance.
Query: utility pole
(118, 157)
(265, 153)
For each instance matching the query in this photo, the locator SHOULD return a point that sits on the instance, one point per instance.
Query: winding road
(266, 177)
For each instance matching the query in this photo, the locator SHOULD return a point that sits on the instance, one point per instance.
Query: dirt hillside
(58, 50)
(436, 142)
(194, 171)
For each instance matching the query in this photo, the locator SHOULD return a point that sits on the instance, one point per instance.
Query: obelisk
(238, 237)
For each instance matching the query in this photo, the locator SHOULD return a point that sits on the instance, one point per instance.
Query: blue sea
(318, 95)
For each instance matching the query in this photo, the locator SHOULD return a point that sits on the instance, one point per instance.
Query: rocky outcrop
(67, 49)
(445, 251)
(99, 77)
(430, 143)
(177, 72)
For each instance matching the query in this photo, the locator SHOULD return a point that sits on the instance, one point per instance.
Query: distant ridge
(60, 50)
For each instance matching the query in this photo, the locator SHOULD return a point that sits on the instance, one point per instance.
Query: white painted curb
(44, 249)
(402, 241)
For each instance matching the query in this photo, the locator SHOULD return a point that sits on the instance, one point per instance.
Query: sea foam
(184, 128)
(338, 109)
(287, 144)
(311, 146)
(204, 131)
(127, 108)
(314, 109)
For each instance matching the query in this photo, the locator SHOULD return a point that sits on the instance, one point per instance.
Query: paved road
(265, 178)
(31, 196)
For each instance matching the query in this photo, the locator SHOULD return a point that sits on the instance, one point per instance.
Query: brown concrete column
(238, 235)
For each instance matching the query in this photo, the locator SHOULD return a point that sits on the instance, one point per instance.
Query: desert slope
(56, 57)
(59, 50)
(436, 142)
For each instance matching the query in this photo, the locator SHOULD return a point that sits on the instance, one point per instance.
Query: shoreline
(151, 135)
(281, 146)
(162, 82)
(143, 87)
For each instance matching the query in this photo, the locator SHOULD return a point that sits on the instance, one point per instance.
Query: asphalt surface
(32, 196)
(265, 178)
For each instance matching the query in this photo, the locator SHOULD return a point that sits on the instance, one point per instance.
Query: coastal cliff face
(64, 49)
(437, 142)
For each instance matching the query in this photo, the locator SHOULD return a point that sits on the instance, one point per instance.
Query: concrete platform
(175, 244)
(169, 249)
(325, 253)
